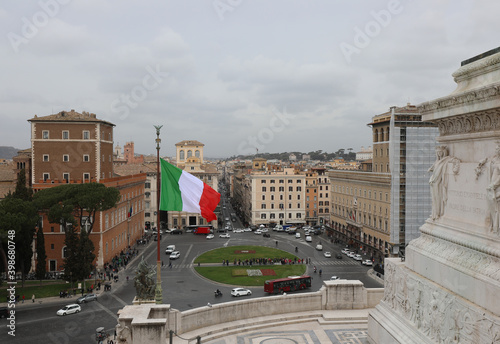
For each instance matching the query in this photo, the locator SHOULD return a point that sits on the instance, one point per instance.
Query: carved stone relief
(440, 315)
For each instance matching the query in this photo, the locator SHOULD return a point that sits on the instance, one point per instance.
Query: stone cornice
(479, 95)
(477, 67)
(469, 123)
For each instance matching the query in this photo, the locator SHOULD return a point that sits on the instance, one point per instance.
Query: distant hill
(8, 152)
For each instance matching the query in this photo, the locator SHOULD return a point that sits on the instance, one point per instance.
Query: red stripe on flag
(208, 202)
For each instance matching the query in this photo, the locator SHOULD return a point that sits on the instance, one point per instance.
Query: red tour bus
(291, 283)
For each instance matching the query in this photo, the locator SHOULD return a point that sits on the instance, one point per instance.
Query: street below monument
(182, 287)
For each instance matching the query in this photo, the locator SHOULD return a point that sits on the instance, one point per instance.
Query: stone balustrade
(150, 323)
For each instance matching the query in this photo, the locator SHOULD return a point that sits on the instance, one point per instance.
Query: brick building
(72, 147)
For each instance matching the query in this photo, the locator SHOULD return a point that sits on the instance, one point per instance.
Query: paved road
(183, 289)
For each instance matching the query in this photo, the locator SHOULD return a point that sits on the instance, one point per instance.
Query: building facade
(379, 209)
(71, 147)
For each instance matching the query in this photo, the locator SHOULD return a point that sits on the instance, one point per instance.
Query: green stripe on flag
(170, 195)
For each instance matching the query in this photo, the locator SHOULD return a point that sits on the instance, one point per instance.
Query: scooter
(217, 293)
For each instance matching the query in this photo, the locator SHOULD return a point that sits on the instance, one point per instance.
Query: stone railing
(148, 323)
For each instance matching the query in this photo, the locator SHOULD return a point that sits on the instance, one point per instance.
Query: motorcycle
(217, 293)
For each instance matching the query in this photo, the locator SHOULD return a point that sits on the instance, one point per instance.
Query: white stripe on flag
(191, 191)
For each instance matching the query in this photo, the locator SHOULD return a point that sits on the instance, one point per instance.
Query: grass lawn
(231, 275)
(237, 274)
(238, 252)
(48, 289)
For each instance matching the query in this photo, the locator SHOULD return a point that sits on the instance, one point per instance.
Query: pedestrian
(170, 265)
(33, 298)
(23, 298)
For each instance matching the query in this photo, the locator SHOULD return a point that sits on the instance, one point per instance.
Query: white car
(309, 238)
(247, 229)
(170, 249)
(210, 236)
(327, 254)
(351, 254)
(175, 255)
(319, 247)
(238, 230)
(240, 292)
(258, 231)
(264, 230)
(345, 251)
(225, 235)
(358, 257)
(367, 262)
(334, 278)
(69, 309)
(297, 235)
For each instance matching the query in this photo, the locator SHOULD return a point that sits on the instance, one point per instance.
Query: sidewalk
(68, 300)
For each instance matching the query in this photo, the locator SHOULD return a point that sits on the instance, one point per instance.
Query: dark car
(4, 312)
(176, 231)
(266, 235)
(86, 298)
(338, 256)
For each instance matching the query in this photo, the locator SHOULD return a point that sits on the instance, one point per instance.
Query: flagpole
(159, 292)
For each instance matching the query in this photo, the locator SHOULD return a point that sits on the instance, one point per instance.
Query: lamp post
(158, 293)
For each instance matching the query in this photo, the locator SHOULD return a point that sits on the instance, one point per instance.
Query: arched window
(64, 252)
(375, 136)
(181, 155)
(197, 153)
(189, 153)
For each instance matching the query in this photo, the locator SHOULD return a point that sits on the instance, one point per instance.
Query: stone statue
(493, 191)
(144, 281)
(439, 181)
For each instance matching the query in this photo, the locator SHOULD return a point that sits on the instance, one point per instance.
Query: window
(65, 135)
(86, 158)
(46, 176)
(263, 181)
(262, 216)
(272, 197)
(45, 157)
(86, 176)
(65, 157)
(66, 177)
(263, 197)
(86, 223)
(147, 205)
(147, 185)
(181, 155)
(290, 188)
(272, 181)
(197, 153)
(264, 189)
(263, 206)
(272, 216)
(86, 135)
(282, 181)
(189, 153)
(272, 189)
(45, 134)
(281, 188)
(299, 188)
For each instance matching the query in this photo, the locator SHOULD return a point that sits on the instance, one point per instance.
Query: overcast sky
(237, 75)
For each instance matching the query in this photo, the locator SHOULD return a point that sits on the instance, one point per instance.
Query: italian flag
(181, 191)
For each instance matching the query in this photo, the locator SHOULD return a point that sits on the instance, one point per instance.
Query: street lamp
(159, 292)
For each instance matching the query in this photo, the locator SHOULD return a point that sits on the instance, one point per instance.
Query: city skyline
(236, 75)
